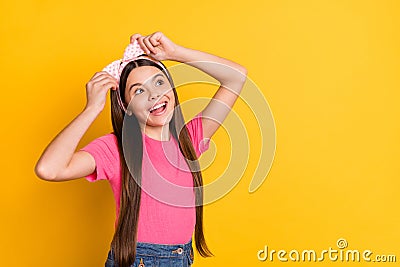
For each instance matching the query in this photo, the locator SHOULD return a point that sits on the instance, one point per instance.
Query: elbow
(243, 70)
(242, 74)
(43, 173)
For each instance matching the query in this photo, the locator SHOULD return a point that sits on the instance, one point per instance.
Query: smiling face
(150, 96)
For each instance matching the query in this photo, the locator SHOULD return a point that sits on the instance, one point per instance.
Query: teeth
(158, 106)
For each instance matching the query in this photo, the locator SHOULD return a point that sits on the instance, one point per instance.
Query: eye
(136, 91)
(159, 80)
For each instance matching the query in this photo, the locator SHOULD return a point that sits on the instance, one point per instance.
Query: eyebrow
(130, 87)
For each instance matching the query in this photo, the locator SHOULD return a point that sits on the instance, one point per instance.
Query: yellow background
(329, 70)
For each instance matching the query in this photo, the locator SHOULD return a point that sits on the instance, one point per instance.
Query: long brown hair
(125, 236)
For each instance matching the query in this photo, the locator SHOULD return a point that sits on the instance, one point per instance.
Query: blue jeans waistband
(163, 250)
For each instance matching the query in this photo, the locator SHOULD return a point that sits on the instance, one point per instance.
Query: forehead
(142, 74)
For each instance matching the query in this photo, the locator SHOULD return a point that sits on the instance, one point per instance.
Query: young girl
(154, 220)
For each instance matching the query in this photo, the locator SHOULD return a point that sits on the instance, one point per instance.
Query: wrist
(91, 110)
(179, 53)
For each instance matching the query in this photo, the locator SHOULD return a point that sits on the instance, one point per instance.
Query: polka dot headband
(132, 52)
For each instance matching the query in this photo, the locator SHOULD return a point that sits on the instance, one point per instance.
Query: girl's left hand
(156, 45)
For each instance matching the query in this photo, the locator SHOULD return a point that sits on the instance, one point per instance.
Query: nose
(155, 93)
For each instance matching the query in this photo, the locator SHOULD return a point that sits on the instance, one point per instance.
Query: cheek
(136, 105)
(171, 95)
(171, 101)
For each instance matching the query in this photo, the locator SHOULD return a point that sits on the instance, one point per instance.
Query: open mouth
(159, 108)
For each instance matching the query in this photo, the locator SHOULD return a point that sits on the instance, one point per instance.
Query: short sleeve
(104, 150)
(195, 128)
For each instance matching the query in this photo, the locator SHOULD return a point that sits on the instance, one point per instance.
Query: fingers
(109, 85)
(97, 74)
(143, 45)
(149, 42)
(134, 37)
(102, 78)
(157, 36)
(154, 39)
(149, 45)
(105, 80)
(97, 88)
(101, 73)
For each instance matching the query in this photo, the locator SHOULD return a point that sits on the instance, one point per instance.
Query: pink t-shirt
(167, 212)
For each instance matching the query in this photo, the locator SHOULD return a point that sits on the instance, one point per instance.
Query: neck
(160, 133)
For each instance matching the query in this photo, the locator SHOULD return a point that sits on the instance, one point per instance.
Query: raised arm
(59, 161)
(231, 75)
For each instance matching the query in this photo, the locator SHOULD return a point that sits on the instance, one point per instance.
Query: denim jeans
(158, 255)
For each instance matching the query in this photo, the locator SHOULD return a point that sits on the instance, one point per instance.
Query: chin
(155, 121)
(160, 121)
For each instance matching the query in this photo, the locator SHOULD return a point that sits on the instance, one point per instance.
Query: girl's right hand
(97, 88)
